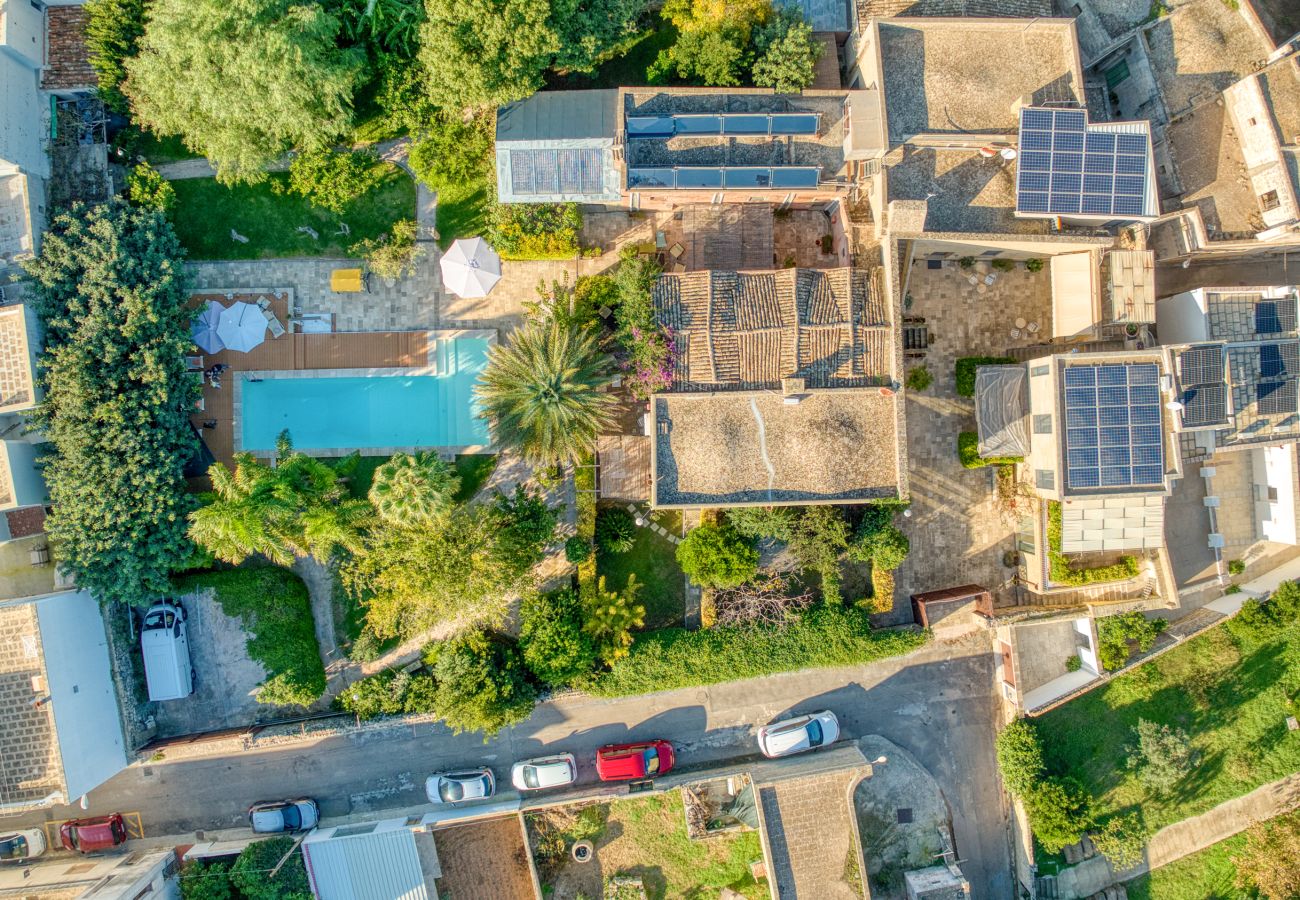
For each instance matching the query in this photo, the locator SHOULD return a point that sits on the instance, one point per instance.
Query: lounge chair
(273, 322)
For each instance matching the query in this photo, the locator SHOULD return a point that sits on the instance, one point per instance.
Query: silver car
(284, 816)
(798, 734)
(544, 772)
(457, 787)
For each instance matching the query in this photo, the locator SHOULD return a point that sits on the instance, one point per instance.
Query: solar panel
(1275, 316)
(1205, 405)
(1276, 397)
(722, 123)
(1113, 436)
(546, 172)
(1200, 366)
(1279, 360)
(1061, 142)
(706, 177)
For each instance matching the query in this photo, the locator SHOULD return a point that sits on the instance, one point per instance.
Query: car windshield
(13, 847)
(160, 619)
(651, 761)
(530, 776)
(814, 733)
(451, 791)
(292, 819)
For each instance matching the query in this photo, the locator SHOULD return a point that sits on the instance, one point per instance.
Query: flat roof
(963, 192)
(560, 115)
(938, 76)
(739, 447)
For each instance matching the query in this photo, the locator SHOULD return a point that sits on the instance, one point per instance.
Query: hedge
(1063, 573)
(966, 367)
(823, 637)
(968, 451)
(584, 485)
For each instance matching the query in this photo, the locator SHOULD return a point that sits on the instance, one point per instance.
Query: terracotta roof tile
(67, 59)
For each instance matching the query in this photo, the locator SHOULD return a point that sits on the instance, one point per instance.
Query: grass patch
(206, 211)
(966, 367)
(474, 470)
(272, 603)
(968, 451)
(653, 560)
(1230, 688)
(824, 637)
(1204, 874)
(464, 211)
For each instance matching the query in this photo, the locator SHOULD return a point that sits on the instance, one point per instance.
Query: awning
(1001, 410)
(1074, 295)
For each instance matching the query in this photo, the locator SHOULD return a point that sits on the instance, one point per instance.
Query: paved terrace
(295, 352)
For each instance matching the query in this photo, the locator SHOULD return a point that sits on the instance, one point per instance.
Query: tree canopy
(110, 290)
(113, 30)
(241, 81)
(480, 683)
(717, 556)
(787, 53)
(485, 52)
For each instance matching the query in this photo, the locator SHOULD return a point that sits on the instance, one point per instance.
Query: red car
(87, 835)
(627, 762)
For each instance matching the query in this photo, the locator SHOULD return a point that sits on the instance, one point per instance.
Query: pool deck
(294, 353)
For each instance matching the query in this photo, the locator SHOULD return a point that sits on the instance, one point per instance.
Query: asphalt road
(939, 704)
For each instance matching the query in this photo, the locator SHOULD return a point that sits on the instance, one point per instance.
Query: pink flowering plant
(649, 349)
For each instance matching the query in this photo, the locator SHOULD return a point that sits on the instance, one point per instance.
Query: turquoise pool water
(360, 413)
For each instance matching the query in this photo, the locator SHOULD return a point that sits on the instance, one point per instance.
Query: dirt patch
(485, 859)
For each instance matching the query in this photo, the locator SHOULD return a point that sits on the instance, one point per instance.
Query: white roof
(1073, 289)
(1112, 523)
(367, 862)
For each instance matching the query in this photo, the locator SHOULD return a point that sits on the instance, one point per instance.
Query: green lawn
(474, 470)
(163, 150)
(464, 211)
(206, 212)
(1201, 876)
(653, 559)
(1231, 689)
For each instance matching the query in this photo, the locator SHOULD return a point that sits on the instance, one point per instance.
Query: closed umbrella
(242, 327)
(470, 268)
(204, 329)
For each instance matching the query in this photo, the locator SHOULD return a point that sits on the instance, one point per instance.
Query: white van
(166, 650)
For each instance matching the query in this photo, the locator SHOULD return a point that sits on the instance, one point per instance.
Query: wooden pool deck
(293, 352)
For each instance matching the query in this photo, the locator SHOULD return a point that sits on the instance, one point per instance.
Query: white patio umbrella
(242, 327)
(470, 268)
(204, 329)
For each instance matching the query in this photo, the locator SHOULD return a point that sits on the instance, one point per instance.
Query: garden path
(1180, 839)
(320, 589)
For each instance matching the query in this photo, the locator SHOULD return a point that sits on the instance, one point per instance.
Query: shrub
(1004, 265)
(717, 556)
(1058, 811)
(968, 451)
(1073, 663)
(1121, 841)
(556, 648)
(671, 658)
(1236, 567)
(1162, 755)
(524, 526)
(394, 254)
(615, 530)
(1232, 589)
(577, 550)
(966, 262)
(1020, 756)
(536, 230)
(333, 180)
(610, 617)
(274, 607)
(1034, 265)
(919, 378)
(882, 589)
(366, 648)
(584, 485)
(146, 188)
(454, 152)
(378, 695)
(966, 367)
(648, 346)
(1115, 632)
(480, 683)
(775, 522)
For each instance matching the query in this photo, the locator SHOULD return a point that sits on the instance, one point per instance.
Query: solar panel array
(1205, 390)
(737, 124)
(1113, 434)
(1276, 397)
(722, 177)
(1275, 316)
(1065, 168)
(541, 172)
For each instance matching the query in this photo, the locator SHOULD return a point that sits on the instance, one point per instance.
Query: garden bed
(207, 211)
(644, 838)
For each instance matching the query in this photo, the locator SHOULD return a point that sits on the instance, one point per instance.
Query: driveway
(939, 704)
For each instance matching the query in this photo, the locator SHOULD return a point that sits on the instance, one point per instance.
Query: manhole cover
(904, 816)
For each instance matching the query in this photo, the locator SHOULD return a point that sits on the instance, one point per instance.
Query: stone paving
(958, 528)
(810, 833)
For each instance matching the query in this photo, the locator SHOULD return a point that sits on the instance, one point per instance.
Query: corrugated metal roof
(558, 116)
(376, 865)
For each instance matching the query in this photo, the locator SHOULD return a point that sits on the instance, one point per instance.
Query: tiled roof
(16, 390)
(67, 59)
(748, 331)
(30, 767)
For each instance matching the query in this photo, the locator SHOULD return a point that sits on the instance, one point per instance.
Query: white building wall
(80, 686)
(1261, 148)
(1182, 319)
(1275, 493)
(22, 33)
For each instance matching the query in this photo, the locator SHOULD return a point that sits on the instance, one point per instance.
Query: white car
(455, 787)
(798, 734)
(16, 846)
(544, 772)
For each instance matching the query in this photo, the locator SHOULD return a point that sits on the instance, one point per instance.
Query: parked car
(798, 734)
(16, 846)
(283, 816)
(544, 772)
(88, 835)
(455, 787)
(165, 647)
(626, 762)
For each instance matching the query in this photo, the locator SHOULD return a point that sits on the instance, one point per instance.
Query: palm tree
(543, 395)
(410, 491)
(296, 509)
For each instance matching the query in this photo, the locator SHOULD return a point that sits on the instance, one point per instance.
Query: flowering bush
(650, 347)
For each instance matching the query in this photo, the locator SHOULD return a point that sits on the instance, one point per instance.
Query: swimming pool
(383, 410)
